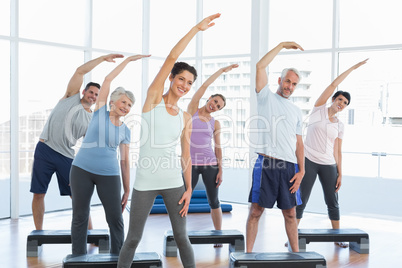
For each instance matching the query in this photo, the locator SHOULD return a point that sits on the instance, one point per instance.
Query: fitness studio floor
(385, 239)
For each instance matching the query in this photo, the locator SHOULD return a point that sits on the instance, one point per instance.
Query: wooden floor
(385, 239)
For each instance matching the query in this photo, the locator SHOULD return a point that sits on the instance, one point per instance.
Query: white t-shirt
(279, 121)
(321, 136)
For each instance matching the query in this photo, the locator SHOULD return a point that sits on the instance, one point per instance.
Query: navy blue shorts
(46, 162)
(271, 183)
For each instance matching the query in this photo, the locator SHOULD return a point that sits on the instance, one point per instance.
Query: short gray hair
(120, 91)
(286, 70)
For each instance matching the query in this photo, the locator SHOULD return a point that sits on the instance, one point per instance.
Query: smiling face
(90, 95)
(339, 103)
(122, 106)
(214, 104)
(181, 83)
(288, 84)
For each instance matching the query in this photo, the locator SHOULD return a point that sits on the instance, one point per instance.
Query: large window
(374, 116)
(52, 38)
(5, 130)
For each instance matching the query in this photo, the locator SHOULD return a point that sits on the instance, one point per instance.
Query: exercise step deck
(277, 260)
(234, 238)
(141, 260)
(358, 239)
(37, 238)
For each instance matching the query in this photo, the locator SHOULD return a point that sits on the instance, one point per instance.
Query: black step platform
(234, 237)
(358, 239)
(277, 260)
(141, 260)
(39, 237)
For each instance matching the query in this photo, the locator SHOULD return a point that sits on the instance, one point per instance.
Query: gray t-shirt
(66, 124)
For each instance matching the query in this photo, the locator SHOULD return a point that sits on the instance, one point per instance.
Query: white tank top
(159, 165)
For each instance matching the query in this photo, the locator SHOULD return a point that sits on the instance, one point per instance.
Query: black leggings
(209, 174)
(109, 191)
(328, 175)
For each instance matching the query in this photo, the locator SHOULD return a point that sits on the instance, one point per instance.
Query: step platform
(358, 239)
(37, 238)
(277, 260)
(141, 260)
(234, 238)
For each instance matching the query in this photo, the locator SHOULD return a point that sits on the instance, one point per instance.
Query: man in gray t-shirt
(67, 123)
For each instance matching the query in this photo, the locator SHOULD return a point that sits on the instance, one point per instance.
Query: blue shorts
(46, 162)
(271, 183)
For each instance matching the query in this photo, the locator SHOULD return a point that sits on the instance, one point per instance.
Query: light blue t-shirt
(98, 152)
(279, 121)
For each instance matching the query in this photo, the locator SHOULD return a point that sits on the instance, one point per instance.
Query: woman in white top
(323, 149)
(164, 126)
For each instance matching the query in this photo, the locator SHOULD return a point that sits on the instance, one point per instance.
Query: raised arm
(323, 98)
(105, 88)
(195, 100)
(76, 80)
(262, 64)
(155, 90)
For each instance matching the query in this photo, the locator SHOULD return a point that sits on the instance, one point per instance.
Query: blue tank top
(159, 165)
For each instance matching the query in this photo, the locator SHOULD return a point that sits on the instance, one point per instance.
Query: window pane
(364, 23)
(5, 17)
(118, 31)
(291, 20)
(374, 115)
(5, 130)
(42, 82)
(54, 21)
(169, 22)
(231, 33)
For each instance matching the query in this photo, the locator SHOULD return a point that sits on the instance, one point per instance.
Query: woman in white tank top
(163, 127)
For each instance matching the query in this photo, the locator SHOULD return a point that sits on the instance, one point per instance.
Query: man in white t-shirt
(279, 168)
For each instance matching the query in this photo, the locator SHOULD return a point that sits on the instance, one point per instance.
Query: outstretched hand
(111, 57)
(291, 45)
(207, 22)
(357, 65)
(230, 67)
(137, 57)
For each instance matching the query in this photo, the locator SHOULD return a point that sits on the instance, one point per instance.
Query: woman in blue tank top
(96, 163)
(164, 126)
(205, 160)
